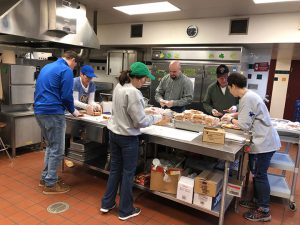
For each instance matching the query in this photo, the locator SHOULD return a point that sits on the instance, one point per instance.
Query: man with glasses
(218, 99)
(53, 95)
(175, 90)
(84, 91)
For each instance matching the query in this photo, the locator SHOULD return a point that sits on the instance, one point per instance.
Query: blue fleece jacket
(54, 89)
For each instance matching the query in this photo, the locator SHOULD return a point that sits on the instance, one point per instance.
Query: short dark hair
(222, 70)
(71, 55)
(237, 79)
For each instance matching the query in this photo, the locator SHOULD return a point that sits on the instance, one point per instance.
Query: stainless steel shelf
(279, 186)
(282, 161)
(214, 212)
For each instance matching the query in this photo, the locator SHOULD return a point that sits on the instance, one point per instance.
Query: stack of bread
(196, 116)
(167, 115)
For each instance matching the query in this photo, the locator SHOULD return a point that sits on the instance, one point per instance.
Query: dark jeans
(53, 128)
(124, 156)
(259, 164)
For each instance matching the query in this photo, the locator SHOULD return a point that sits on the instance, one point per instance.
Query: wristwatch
(231, 120)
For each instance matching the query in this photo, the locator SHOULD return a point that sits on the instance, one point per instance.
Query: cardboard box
(205, 201)
(234, 187)
(185, 189)
(213, 135)
(209, 183)
(164, 181)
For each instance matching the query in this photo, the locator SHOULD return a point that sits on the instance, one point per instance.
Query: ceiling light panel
(273, 1)
(147, 8)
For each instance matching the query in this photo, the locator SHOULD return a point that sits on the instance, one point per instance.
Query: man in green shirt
(218, 99)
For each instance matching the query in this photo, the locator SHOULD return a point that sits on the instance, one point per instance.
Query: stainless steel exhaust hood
(30, 23)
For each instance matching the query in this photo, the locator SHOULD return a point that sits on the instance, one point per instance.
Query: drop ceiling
(190, 9)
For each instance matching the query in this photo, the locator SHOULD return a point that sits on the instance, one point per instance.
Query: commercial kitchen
(187, 172)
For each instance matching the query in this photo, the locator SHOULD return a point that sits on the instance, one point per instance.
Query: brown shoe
(42, 182)
(58, 188)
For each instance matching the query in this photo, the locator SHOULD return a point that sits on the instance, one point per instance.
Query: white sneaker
(135, 212)
(104, 210)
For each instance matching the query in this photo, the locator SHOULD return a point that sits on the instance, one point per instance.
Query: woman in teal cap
(127, 118)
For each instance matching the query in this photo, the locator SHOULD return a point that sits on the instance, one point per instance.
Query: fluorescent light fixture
(273, 1)
(156, 7)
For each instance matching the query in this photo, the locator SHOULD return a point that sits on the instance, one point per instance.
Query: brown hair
(71, 55)
(125, 77)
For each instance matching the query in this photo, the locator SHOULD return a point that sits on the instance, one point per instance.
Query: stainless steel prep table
(92, 128)
(229, 152)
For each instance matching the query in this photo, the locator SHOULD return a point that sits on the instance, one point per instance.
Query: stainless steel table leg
(295, 175)
(239, 177)
(224, 191)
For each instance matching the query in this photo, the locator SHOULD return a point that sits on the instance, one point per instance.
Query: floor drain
(58, 207)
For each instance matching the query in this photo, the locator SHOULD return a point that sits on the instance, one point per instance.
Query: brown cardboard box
(167, 185)
(209, 183)
(213, 135)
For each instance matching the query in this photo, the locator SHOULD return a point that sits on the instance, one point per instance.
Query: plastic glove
(90, 109)
(149, 111)
(227, 118)
(97, 107)
(215, 112)
(169, 104)
(162, 102)
(76, 113)
(232, 109)
(157, 118)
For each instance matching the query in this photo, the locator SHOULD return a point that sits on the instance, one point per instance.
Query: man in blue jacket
(53, 95)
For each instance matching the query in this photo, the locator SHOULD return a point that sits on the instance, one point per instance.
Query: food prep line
(94, 128)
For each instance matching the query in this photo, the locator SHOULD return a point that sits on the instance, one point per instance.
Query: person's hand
(227, 118)
(169, 104)
(149, 111)
(232, 109)
(76, 113)
(162, 102)
(90, 110)
(215, 112)
(157, 118)
(97, 107)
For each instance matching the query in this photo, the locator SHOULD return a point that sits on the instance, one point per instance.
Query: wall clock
(192, 31)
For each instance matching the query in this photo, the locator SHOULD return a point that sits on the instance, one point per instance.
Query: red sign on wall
(262, 66)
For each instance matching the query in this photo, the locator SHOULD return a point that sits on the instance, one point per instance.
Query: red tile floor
(22, 201)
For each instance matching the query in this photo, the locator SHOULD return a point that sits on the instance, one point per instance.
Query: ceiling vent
(239, 26)
(136, 30)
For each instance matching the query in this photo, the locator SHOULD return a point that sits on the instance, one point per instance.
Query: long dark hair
(125, 76)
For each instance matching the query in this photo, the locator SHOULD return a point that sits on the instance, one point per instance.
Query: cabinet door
(115, 63)
(27, 131)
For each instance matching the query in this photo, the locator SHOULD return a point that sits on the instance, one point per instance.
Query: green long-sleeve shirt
(215, 99)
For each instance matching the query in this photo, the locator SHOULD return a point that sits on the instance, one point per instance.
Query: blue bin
(297, 110)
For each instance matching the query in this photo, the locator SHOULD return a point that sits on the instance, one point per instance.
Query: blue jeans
(259, 164)
(53, 128)
(124, 156)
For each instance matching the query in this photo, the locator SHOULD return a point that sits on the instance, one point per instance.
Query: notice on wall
(261, 66)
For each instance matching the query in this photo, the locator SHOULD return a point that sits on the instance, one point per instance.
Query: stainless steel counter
(22, 129)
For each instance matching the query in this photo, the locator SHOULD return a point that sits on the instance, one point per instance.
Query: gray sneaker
(42, 182)
(135, 212)
(58, 188)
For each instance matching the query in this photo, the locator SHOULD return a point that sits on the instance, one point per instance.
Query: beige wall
(269, 28)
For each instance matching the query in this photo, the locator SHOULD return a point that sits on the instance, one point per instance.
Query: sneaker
(249, 204)
(106, 210)
(257, 215)
(135, 212)
(42, 182)
(58, 188)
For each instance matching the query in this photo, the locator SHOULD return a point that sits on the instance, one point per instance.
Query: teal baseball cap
(140, 69)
